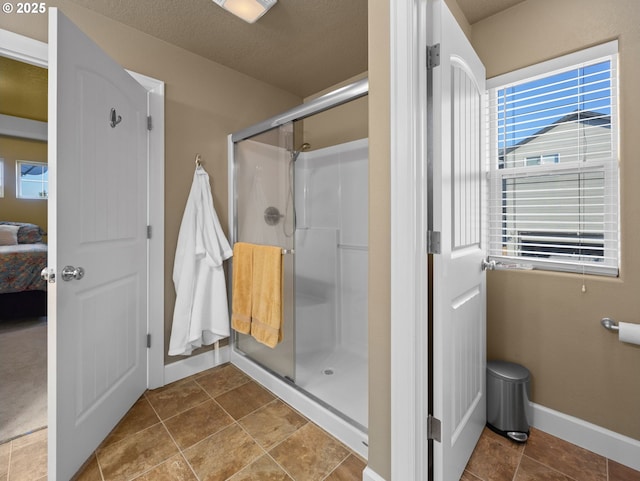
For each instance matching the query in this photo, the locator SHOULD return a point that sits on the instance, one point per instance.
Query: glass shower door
(264, 214)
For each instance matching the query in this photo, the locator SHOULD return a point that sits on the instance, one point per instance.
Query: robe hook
(114, 118)
(198, 160)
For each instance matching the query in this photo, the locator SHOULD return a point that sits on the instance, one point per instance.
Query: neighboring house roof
(583, 116)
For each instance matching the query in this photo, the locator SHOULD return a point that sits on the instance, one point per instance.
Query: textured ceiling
(301, 46)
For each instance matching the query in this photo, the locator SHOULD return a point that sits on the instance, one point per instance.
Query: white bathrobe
(201, 314)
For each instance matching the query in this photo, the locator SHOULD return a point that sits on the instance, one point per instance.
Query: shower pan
(312, 202)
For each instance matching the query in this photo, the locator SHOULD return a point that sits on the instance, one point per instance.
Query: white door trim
(409, 281)
(34, 52)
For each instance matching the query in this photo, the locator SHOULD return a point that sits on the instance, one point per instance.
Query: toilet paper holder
(610, 324)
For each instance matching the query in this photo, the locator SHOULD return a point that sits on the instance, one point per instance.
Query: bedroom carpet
(23, 377)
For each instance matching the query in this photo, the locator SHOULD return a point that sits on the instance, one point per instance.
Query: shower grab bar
(354, 247)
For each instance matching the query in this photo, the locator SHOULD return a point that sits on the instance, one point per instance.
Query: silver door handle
(488, 265)
(492, 265)
(70, 272)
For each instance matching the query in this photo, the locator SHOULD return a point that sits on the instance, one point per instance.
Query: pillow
(27, 233)
(30, 234)
(9, 235)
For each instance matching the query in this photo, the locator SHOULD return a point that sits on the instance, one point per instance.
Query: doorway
(23, 208)
(34, 52)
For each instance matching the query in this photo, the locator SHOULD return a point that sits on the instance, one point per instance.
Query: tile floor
(542, 458)
(221, 425)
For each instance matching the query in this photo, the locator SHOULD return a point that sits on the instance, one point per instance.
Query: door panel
(97, 221)
(459, 282)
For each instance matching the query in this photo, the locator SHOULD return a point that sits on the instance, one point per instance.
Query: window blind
(553, 193)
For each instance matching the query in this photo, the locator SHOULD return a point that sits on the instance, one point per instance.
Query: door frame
(35, 52)
(409, 211)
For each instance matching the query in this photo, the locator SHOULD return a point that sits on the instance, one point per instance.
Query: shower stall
(300, 182)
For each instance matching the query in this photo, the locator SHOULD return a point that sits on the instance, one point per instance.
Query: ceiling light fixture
(247, 10)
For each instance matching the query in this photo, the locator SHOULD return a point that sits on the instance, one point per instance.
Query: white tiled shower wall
(331, 248)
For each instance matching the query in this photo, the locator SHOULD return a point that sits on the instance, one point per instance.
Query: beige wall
(379, 241)
(543, 320)
(204, 102)
(12, 208)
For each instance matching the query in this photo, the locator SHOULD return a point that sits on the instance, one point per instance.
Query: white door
(97, 222)
(458, 281)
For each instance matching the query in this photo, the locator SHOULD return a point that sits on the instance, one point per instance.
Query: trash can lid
(509, 371)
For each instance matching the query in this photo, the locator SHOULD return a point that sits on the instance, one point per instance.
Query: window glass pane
(555, 216)
(555, 115)
(33, 180)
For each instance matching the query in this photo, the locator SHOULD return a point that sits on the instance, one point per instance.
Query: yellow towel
(242, 287)
(266, 304)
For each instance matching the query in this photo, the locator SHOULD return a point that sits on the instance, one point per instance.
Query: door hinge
(149, 123)
(148, 232)
(433, 56)
(148, 340)
(434, 428)
(433, 242)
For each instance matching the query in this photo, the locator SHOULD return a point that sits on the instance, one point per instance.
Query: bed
(23, 255)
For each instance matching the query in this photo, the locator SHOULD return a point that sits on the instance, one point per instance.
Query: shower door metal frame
(339, 96)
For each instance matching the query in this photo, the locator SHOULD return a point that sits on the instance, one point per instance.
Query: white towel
(201, 314)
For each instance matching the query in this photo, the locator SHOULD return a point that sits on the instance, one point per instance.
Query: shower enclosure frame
(312, 407)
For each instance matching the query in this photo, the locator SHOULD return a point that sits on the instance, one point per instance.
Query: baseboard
(370, 475)
(193, 365)
(604, 442)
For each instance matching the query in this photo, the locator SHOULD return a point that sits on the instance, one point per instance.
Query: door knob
(49, 275)
(488, 265)
(70, 272)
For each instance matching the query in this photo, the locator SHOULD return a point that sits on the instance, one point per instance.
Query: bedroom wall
(12, 208)
(204, 102)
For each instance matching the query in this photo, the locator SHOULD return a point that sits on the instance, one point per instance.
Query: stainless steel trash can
(508, 399)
